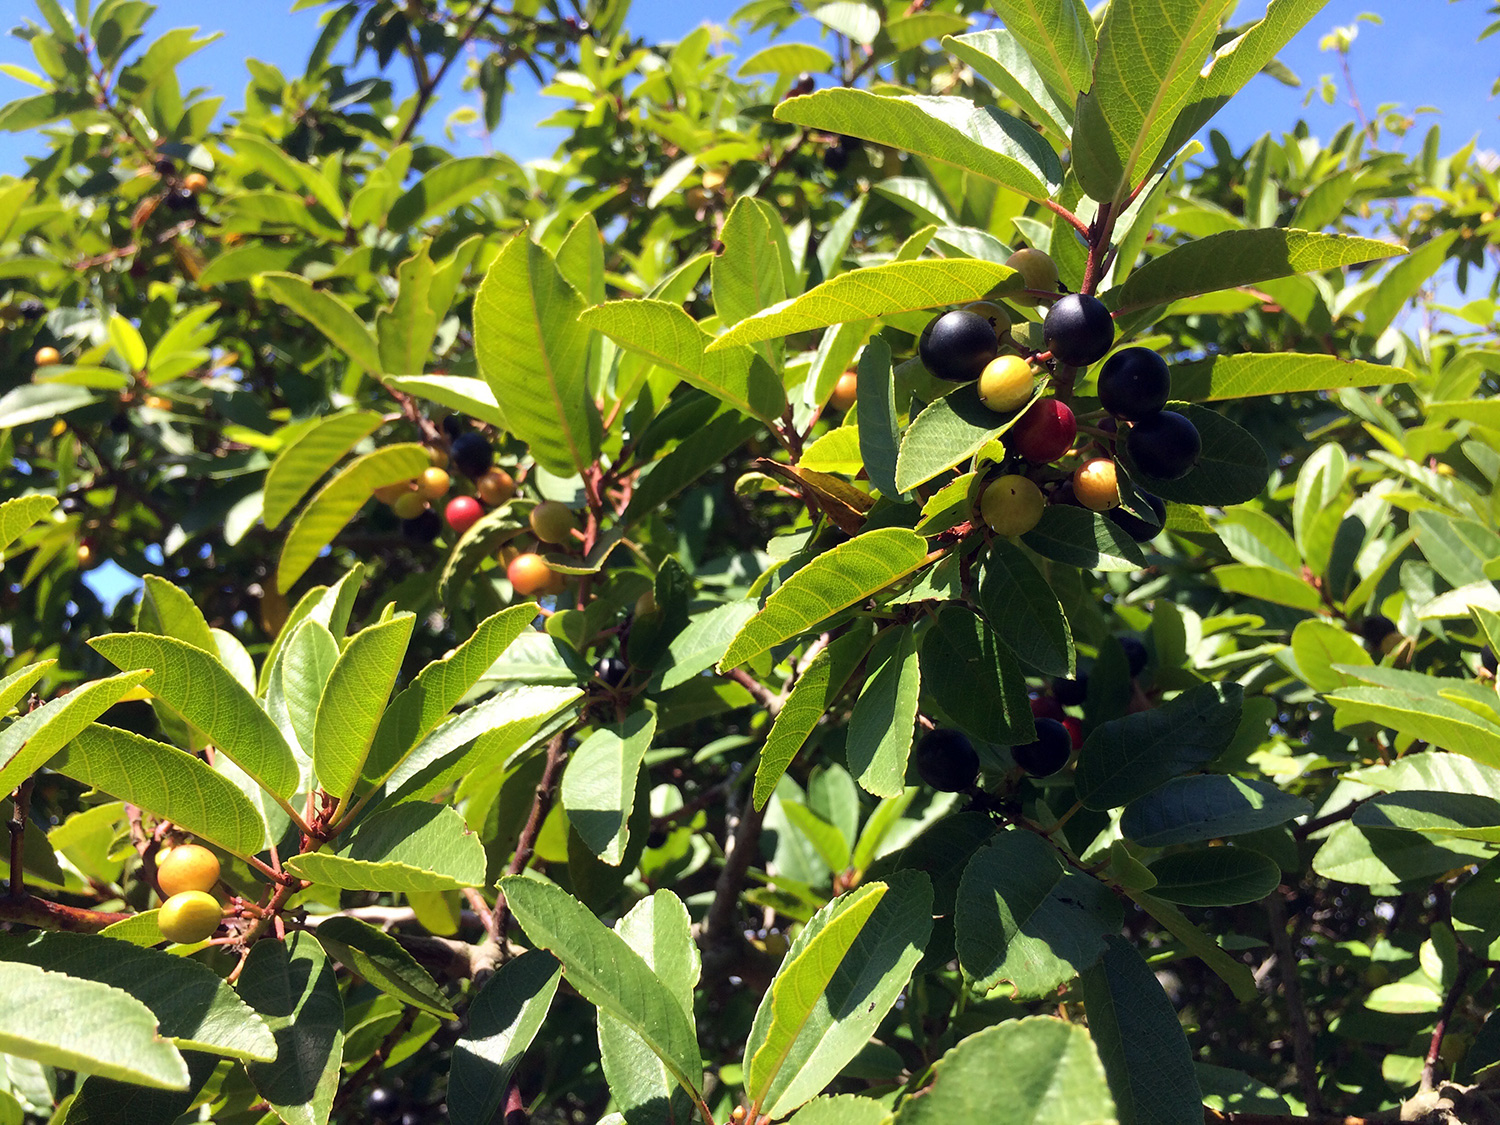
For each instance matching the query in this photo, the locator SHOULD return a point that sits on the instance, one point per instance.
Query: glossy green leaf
(1206, 806)
(885, 714)
(202, 691)
(298, 466)
(1142, 1045)
(1231, 469)
(1269, 585)
(534, 357)
(1243, 257)
(878, 423)
(1081, 538)
(354, 699)
(1038, 1069)
(797, 991)
(107, 1101)
(463, 393)
(1208, 876)
(1021, 607)
(663, 333)
(29, 742)
(336, 503)
(981, 140)
(504, 1017)
(192, 1004)
(447, 186)
(945, 434)
(166, 781)
(329, 315)
(1128, 757)
(1379, 857)
(872, 292)
(412, 846)
(19, 513)
(119, 1039)
(383, 961)
(1317, 646)
(1028, 920)
(1460, 816)
(835, 580)
(1059, 38)
(599, 783)
(607, 972)
(1226, 378)
(974, 678)
(1458, 549)
(293, 987)
(998, 56)
(1146, 64)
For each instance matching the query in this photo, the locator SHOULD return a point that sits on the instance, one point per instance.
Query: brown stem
(20, 810)
(1291, 988)
(1057, 208)
(541, 805)
(377, 1060)
(722, 939)
(29, 910)
(1445, 1013)
(763, 695)
(427, 90)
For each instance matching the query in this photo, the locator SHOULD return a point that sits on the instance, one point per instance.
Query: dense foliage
(611, 650)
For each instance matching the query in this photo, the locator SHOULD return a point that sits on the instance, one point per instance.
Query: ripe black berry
(1487, 659)
(611, 670)
(1165, 445)
(31, 310)
(1375, 628)
(454, 426)
(1049, 753)
(958, 345)
(472, 454)
(1071, 693)
(947, 760)
(1135, 527)
(179, 200)
(423, 528)
(1135, 654)
(1133, 384)
(656, 838)
(1078, 329)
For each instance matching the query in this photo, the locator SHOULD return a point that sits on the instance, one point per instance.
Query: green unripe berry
(1011, 505)
(1037, 270)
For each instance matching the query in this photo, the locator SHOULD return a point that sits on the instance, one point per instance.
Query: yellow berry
(1006, 384)
(1011, 505)
(1096, 486)
(844, 391)
(409, 505)
(188, 917)
(434, 483)
(187, 867)
(46, 357)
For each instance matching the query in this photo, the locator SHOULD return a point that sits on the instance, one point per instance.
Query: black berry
(472, 454)
(179, 200)
(1375, 628)
(1133, 384)
(1078, 329)
(1135, 654)
(947, 760)
(1049, 753)
(611, 670)
(1135, 527)
(1071, 693)
(31, 310)
(958, 346)
(656, 838)
(423, 528)
(1164, 446)
(454, 426)
(1487, 659)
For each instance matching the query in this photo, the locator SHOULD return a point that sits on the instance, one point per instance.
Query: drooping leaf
(1023, 610)
(329, 315)
(878, 426)
(293, 987)
(463, 393)
(383, 961)
(974, 678)
(19, 513)
(885, 714)
(504, 1017)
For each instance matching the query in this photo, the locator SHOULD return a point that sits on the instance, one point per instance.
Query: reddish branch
(541, 805)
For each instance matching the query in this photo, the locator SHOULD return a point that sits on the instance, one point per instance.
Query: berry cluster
(1133, 387)
(185, 875)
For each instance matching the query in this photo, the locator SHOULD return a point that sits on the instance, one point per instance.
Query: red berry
(1045, 707)
(1075, 731)
(1045, 432)
(463, 512)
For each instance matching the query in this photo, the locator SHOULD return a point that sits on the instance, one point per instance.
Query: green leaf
(835, 580)
(1084, 539)
(29, 742)
(1397, 288)
(1230, 377)
(599, 784)
(1233, 973)
(447, 186)
(504, 1017)
(704, 449)
(946, 433)
(383, 961)
(298, 466)
(1242, 257)
(866, 294)
(105, 1101)
(1417, 712)
(1269, 585)
(1140, 1042)
(414, 846)
(1459, 816)
(1027, 919)
(1145, 68)
(1059, 39)
(14, 686)
(353, 700)
(1040, 1070)
(663, 333)
(1317, 646)
(809, 700)
(878, 423)
(997, 56)
(839, 1109)
(788, 58)
(1021, 607)
(18, 514)
(981, 140)
(329, 315)
(168, 782)
(203, 692)
(1231, 470)
(293, 986)
(1214, 876)
(885, 714)
(1378, 857)
(1458, 549)
(660, 930)
(194, 1007)
(798, 991)
(974, 679)
(40, 1020)
(463, 393)
(608, 973)
(425, 702)
(337, 502)
(754, 270)
(1206, 806)
(534, 356)
(168, 611)
(701, 644)
(36, 402)
(1128, 757)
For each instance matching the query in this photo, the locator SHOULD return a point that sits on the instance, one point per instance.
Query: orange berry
(495, 487)
(1096, 485)
(194, 182)
(434, 483)
(46, 357)
(844, 391)
(529, 574)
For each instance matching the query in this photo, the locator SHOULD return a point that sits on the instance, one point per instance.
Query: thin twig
(1445, 1013)
(541, 805)
(1291, 988)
